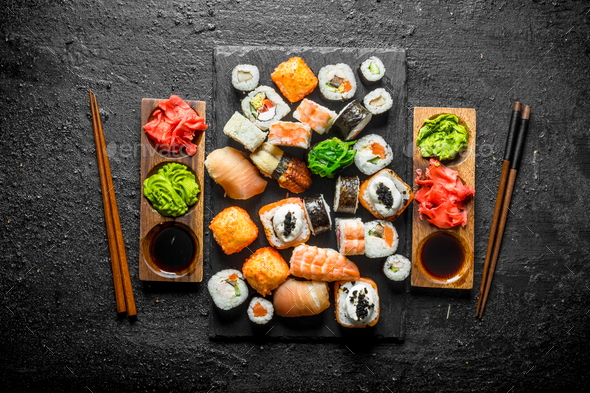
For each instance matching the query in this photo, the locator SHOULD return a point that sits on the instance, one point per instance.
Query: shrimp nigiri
(322, 264)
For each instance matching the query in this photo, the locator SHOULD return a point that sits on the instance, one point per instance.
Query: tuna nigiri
(319, 118)
(322, 264)
(300, 298)
(232, 171)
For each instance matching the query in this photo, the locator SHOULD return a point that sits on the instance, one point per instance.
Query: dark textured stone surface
(59, 330)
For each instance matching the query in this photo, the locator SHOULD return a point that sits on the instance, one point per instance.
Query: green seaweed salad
(330, 156)
(442, 137)
(172, 190)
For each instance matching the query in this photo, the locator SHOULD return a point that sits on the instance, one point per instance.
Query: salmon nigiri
(232, 171)
(322, 264)
(300, 298)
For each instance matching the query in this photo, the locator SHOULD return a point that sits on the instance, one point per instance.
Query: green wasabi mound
(442, 137)
(172, 190)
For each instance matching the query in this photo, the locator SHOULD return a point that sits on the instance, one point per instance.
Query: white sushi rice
(267, 223)
(281, 108)
(376, 247)
(397, 267)
(330, 93)
(368, 75)
(378, 101)
(341, 224)
(225, 294)
(403, 189)
(266, 305)
(243, 131)
(245, 77)
(318, 128)
(367, 162)
(341, 306)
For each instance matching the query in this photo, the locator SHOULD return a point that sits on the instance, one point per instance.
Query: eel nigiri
(232, 171)
(289, 171)
(300, 298)
(322, 264)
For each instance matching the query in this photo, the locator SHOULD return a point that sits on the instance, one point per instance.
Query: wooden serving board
(422, 229)
(150, 220)
(392, 126)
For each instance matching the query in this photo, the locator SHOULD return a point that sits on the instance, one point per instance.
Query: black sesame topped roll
(346, 196)
(318, 213)
(351, 120)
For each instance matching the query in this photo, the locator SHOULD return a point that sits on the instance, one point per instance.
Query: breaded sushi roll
(357, 303)
(372, 70)
(372, 154)
(397, 267)
(294, 78)
(351, 120)
(260, 311)
(381, 239)
(378, 101)
(318, 117)
(385, 195)
(245, 77)
(290, 172)
(233, 229)
(265, 270)
(264, 106)
(228, 289)
(318, 213)
(346, 196)
(244, 131)
(350, 233)
(286, 133)
(337, 82)
(285, 223)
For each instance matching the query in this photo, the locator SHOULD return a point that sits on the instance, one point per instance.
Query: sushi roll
(381, 239)
(264, 106)
(290, 172)
(378, 101)
(285, 223)
(351, 236)
(351, 120)
(346, 197)
(228, 289)
(244, 131)
(372, 70)
(357, 303)
(337, 82)
(372, 154)
(286, 133)
(397, 267)
(260, 311)
(385, 195)
(318, 117)
(294, 78)
(233, 229)
(265, 270)
(318, 213)
(245, 77)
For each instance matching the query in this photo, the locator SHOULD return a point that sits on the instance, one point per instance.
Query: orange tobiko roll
(294, 78)
(265, 270)
(233, 229)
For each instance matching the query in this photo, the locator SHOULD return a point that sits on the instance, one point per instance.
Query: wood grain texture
(150, 220)
(422, 229)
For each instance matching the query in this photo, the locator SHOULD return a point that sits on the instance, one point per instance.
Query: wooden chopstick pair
(121, 278)
(519, 122)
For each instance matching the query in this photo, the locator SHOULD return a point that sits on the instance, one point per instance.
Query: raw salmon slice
(322, 264)
(300, 298)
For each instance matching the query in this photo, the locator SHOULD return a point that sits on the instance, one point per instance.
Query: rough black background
(58, 323)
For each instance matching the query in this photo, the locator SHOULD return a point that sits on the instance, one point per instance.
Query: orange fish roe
(295, 79)
(233, 277)
(258, 310)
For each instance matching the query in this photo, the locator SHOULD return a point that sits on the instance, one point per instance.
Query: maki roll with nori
(318, 213)
(289, 171)
(346, 197)
(337, 82)
(245, 77)
(351, 120)
(264, 106)
(372, 70)
(372, 154)
(378, 101)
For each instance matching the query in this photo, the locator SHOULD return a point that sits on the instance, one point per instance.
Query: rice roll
(372, 70)
(228, 289)
(318, 213)
(337, 82)
(244, 131)
(290, 172)
(245, 77)
(286, 133)
(385, 195)
(260, 311)
(357, 303)
(346, 196)
(285, 223)
(397, 267)
(318, 117)
(351, 120)
(264, 106)
(381, 239)
(372, 154)
(350, 233)
(378, 101)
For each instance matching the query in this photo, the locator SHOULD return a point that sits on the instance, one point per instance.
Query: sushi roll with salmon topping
(233, 229)
(265, 270)
(378, 101)
(397, 267)
(285, 223)
(337, 82)
(372, 70)
(381, 239)
(286, 133)
(228, 289)
(290, 172)
(351, 120)
(385, 195)
(264, 106)
(322, 264)
(294, 78)
(372, 154)
(260, 311)
(350, 233)
(346, 196)
(357, 303)
(245, 77)
(318, 117)
(243, 131)
(301, 298)
(318, 213)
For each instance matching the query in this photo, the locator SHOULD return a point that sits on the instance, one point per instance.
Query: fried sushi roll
(233, 229)
(351, 120)
(285, 223)
(265, 270)
(346, 197)
(385, 195)
(357, 303)
(290, 172)
(318, 213)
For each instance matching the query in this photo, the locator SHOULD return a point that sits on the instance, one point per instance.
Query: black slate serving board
(391, 126)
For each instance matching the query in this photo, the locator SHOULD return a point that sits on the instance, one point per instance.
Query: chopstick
(514, 165)
(121, 278)
(508, 153)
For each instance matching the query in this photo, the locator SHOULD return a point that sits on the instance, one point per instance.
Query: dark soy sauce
(442, 256)
(173, 249)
